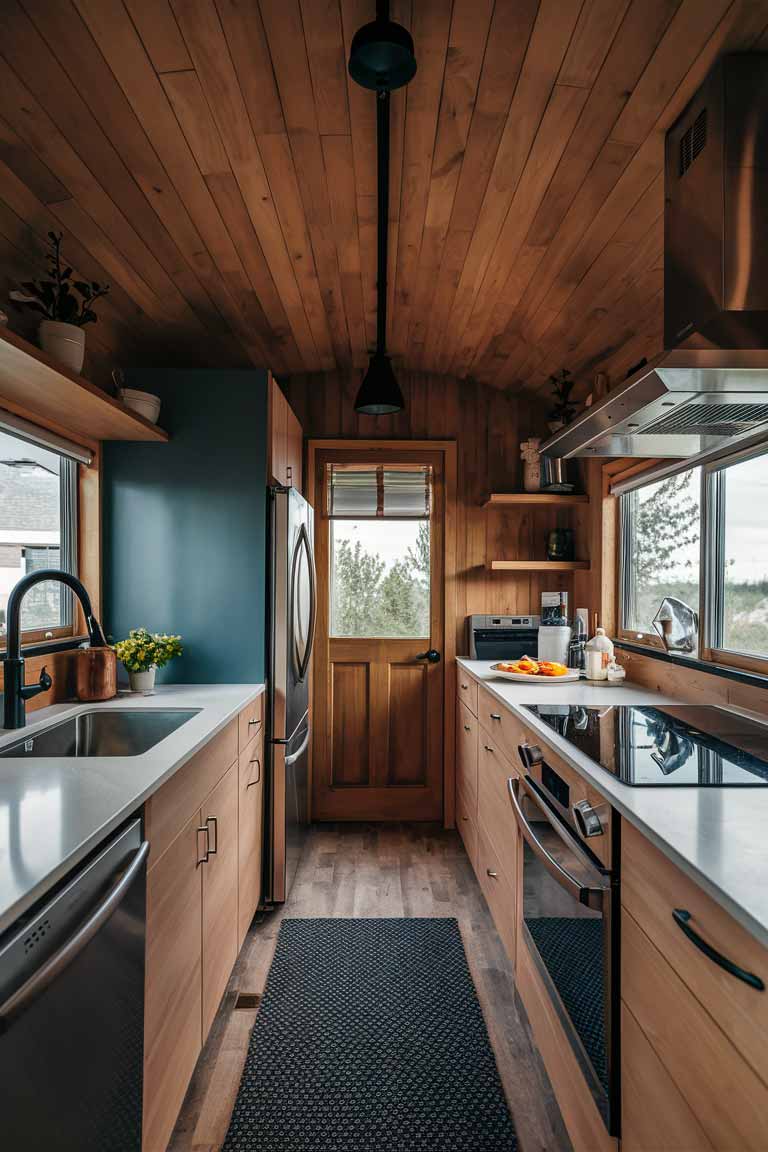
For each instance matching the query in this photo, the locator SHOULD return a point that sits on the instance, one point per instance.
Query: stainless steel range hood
(709, 391)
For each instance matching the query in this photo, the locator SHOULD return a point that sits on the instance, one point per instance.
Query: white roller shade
(24, 430)
(394, 491)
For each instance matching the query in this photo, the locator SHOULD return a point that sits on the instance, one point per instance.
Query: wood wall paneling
(214, 162)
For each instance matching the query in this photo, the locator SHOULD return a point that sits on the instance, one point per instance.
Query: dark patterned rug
(370, 1038)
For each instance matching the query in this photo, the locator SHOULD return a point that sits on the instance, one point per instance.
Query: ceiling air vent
(692, 141)
(710, 420)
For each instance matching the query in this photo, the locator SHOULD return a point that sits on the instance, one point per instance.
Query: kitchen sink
(106, 732)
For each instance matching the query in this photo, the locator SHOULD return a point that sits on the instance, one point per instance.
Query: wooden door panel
(350, 732)
(406, 705)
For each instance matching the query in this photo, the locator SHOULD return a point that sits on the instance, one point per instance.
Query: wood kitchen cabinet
(203, 886)
(286, 439)
(250, 835)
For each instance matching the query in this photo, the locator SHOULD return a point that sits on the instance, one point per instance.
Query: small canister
(599, 653)
(96, 674)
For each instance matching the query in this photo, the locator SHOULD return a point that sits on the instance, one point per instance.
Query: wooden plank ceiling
(212, 160)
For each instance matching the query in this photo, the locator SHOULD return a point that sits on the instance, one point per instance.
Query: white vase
(142, 681)
(64, 343)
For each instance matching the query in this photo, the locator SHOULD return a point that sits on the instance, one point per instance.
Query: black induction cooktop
(686, 745)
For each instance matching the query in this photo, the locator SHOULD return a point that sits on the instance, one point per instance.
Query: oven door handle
(590, 897)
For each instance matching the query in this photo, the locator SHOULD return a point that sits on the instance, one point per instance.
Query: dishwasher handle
(19, 1000)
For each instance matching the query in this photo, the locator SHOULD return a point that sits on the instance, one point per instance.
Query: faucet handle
(44, 684)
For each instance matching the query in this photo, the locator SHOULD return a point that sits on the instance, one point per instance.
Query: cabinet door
(278, 432)
(173, 983)
(250, 822)
(219, 894)
(294, 449)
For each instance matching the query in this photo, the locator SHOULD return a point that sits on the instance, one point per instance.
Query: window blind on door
(383, 491)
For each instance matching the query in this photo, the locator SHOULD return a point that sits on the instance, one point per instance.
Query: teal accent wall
(185, 526)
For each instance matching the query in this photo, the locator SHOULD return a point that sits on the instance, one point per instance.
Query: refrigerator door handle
(294, 756)
(304, 543)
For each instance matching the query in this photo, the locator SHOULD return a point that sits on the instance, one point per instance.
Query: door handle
(431, 655)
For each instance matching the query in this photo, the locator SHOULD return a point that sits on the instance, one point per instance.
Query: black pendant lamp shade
(381, 59)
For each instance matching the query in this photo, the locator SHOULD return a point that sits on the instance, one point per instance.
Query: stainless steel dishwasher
(72, 1009)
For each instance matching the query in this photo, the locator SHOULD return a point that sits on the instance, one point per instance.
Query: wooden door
(173, 983)
(250, 824)
(219, 893)
(378, 703)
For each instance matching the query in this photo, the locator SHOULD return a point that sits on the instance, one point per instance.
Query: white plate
(523, 677)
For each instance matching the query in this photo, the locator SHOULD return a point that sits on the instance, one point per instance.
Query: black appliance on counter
(682, 746)
(72, 1008)
(502, 637)
(570, 914)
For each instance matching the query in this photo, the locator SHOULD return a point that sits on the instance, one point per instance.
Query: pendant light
(381, 59)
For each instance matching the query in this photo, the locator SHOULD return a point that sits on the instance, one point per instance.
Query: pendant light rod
(382, 148)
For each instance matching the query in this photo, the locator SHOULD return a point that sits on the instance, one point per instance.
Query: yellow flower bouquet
(142, 652)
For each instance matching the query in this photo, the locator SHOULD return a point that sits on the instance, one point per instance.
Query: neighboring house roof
(29, 497)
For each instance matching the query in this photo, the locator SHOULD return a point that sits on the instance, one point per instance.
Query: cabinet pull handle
(493, 875)
(250, 722)
(466, 818)
(258, 776)
(212, 820)
(495, 716)
(465, 687)
(682, 918)
(467, 728)
(487, 747)
(289, 474)
(203, 828)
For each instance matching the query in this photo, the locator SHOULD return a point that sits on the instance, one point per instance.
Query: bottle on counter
(615, 673)
(599, 653)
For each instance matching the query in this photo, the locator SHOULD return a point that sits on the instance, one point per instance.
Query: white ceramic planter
(142, 681)
(64, 343)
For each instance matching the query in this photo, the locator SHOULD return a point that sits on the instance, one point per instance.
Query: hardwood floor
(378, 870)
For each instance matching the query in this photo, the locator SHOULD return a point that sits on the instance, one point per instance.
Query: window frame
(711, 564)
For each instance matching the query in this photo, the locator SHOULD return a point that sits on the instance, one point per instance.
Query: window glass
(745, 557)
(661, 532)
(30, 528)
(380, 578)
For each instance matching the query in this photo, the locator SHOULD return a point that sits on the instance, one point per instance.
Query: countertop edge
(594, 774)
(10, 914)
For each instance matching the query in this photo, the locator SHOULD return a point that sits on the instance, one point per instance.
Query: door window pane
(745, 557)
(380, 578)
(30, 528)
(661, 530)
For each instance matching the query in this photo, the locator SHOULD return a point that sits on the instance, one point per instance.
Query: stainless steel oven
(570, 914)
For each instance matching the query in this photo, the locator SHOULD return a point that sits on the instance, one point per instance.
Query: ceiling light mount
(381, 59)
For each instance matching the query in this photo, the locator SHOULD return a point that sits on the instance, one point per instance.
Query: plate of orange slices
(526, 670)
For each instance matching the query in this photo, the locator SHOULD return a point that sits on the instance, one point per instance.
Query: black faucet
(16, 693)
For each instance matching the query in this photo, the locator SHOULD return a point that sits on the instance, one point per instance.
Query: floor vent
(248, 1000)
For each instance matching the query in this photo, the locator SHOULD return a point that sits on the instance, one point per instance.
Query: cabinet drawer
(249, 722)
(729, 1101)
(467, 690)
(501, 724)
(467, 825)
(494, 810)
(499, 891)
(466, 751)
(653, 1113)
(173, 805)
(652, 888)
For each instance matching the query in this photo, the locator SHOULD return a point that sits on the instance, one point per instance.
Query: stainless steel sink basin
(106, 732)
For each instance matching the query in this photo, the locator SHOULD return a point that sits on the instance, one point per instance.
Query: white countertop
(716, 835)
(54, 810)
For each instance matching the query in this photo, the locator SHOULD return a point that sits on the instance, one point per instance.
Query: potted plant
(143, 652)
(65, 311)
(563, 409)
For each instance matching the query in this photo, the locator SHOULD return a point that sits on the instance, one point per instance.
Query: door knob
(432, 655)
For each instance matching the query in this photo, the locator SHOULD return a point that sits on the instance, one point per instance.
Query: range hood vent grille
(710, 420)
(692, 141)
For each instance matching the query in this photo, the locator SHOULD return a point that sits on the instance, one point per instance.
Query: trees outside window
(380, 578)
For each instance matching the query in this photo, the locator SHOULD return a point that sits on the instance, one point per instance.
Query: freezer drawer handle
(590, 897)
(295, 755)
(39, 981)
(682, 918)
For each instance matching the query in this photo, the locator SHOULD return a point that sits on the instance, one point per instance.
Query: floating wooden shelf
(35, 387)
(502, 499)
(539, 565)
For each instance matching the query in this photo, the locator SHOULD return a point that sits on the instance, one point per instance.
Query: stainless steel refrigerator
(290, 632)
